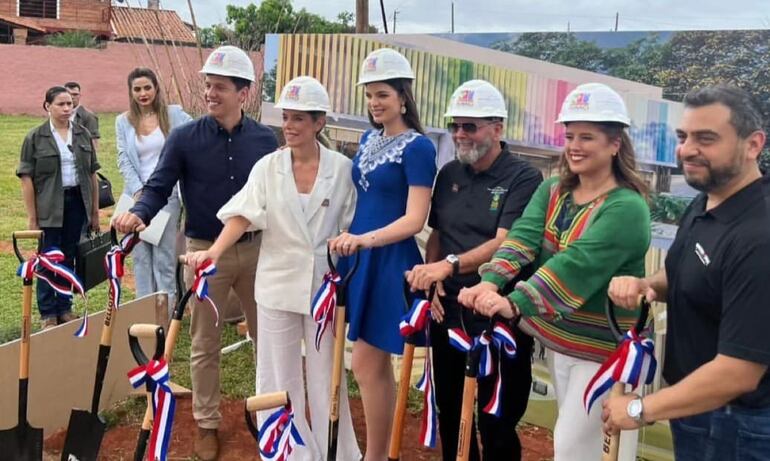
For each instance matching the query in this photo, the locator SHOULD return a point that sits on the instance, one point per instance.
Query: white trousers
(279, 367)
(577, 435)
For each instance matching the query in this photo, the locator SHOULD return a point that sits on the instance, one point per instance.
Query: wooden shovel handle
(267, 401)
(143, 330)
(611, 443)
(28, 234)
(466, 419)
(337, 366)
(26, 329)
(402, 397)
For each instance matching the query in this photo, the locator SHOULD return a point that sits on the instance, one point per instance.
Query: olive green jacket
(40, 160)
(89, 120)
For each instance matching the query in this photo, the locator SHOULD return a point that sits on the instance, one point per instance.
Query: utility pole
(568, 26)
(617, 17)
(453, 17)
(362, 16)
(384, 18)
(395, 16)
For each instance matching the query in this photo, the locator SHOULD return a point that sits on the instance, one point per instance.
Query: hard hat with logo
(384, 64)
(594, 102)
(305, 94)
(229, 61)
(478, 99)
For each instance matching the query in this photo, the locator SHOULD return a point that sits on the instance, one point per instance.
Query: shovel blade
(22, 443)
(84, 437)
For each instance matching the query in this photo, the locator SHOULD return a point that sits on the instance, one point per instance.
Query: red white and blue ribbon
(114, 266)
(51, 260)
(324, 303)
(633, 362)
(279, 435)
(502, 339)
(163, 405)
(201, 287)
(415, 321)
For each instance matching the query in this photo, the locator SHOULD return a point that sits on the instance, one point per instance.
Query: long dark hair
(158, 104)
(51, 94)
(623, 164)
(403, 87)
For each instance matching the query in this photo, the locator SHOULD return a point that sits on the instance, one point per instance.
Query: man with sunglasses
(476, 199)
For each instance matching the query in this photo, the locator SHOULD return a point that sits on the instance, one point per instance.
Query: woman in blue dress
(393, 173)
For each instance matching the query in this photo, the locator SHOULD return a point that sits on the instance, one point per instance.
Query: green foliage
(667, 208)
(247, 26)
(73, 39)
(764, 161)
(556, 47)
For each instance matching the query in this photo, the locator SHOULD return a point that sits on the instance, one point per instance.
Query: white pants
(577, 435)
(279, 367)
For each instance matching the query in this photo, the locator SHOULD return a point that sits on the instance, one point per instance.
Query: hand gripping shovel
(23, 442)
(135, 332)
(86, 429)
(339, 351)
(611, 443)
(402, 396)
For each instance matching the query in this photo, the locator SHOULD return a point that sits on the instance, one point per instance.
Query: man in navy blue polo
(211, 158)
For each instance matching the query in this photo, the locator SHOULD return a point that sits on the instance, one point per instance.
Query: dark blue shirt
(210, 164)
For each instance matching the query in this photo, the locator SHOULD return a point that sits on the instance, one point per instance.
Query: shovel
(262, 402)
(23, 442)
(469, 400)
(339, 351)
(136, 331)
(611, 443)
(402, 396)
(86, 429)
(176, 317)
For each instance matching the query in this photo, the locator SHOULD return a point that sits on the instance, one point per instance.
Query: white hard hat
(384, 64)
(478, 99)
(594, 102)
(305, 94)
(229, 61)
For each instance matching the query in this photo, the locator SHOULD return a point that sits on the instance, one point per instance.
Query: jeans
(66, 238)
(727, 434)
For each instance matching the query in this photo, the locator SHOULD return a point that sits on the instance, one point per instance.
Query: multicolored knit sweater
(563, 303)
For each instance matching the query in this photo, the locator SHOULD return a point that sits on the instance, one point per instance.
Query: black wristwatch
(455, 262)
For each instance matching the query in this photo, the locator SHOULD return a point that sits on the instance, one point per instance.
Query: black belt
(248, 237)
(71, 189)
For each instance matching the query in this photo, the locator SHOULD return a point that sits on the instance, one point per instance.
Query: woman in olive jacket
(58, 181)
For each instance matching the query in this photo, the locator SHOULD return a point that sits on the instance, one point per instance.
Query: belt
(71, 189)
(248, 237)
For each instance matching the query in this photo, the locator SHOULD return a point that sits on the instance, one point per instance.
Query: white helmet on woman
(384, 64)
(305, 94)
(594, 102)
(477, 99)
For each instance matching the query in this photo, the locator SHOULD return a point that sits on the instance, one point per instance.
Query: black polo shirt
(718, 271)
(469, 207)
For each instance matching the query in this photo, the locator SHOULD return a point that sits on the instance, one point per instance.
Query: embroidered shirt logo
(580, 101)
(702, 255)
(497, 193)
(466, 98)
(325, 202)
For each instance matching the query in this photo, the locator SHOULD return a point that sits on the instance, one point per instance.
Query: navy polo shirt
(211, 166)
(718, 272)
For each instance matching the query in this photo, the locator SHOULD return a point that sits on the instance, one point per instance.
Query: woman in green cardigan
(579, 230)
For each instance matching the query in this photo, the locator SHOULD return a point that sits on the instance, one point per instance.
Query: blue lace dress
(383, 169)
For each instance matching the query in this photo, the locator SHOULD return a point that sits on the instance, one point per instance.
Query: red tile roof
(154, 25)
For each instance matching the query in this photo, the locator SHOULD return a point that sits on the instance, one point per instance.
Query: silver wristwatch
(455, 262)
(635, 410)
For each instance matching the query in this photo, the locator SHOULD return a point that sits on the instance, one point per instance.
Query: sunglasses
(467, 127)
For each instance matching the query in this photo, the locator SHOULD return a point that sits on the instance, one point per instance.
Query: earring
(403, 110)
(615, 154)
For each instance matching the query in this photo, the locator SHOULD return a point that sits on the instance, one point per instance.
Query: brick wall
(26, 72)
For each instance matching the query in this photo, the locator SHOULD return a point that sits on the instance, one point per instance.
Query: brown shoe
(206, 446)
(67, 317)
(48, 322)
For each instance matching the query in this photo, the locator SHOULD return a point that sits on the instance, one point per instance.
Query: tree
(640, 61)
(556, 47)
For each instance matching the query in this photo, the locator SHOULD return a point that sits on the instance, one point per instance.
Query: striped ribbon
(633, 362)
(114, 266)
(278, 435)
(502, 339)
(415, 321)
(201, 287)
(324, 303)
(163, 405)
(51, 260)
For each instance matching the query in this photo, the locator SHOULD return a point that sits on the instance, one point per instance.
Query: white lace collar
(380, 149)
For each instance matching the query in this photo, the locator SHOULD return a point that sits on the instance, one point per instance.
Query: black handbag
(105, 191)
(89, 259)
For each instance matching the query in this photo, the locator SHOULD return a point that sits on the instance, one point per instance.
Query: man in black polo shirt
(211, 158)
(716, 282)
(476, 199)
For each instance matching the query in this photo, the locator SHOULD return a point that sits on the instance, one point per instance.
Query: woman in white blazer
(299, 197)
(141, 133)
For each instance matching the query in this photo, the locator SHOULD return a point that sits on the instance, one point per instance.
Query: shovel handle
(611, 443)
(28, 234)
(466, 419)
(402, 397)
(143, 330)
(337, 370)
(267, 401)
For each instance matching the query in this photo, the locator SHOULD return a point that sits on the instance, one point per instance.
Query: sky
(434, 16)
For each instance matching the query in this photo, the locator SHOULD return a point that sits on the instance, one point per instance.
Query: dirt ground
(238, 444)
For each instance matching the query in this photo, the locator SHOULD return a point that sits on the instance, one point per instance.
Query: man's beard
(474, 153)
(716, 178)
